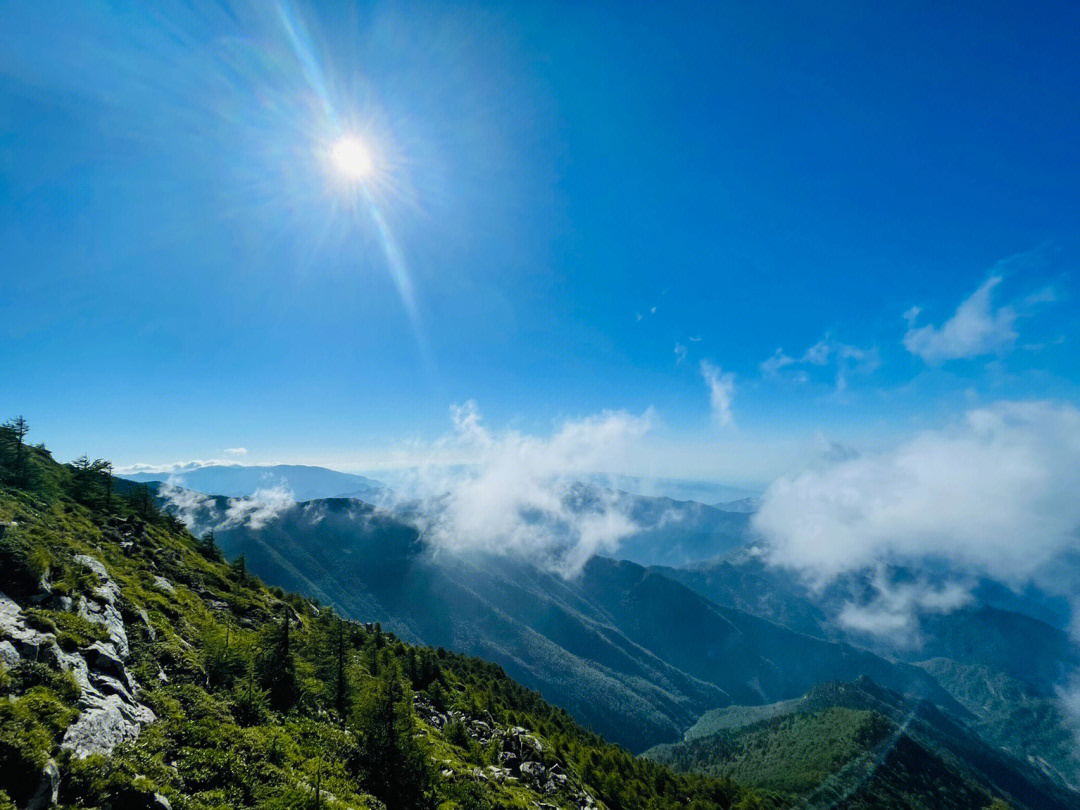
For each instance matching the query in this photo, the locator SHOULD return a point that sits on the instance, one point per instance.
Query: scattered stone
(160, 803)
(163, 584)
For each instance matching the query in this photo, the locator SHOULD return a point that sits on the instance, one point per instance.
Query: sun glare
(351, 158)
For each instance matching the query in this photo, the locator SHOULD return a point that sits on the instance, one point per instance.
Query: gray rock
(102, 657)
(102, 608)
(160, 803)
(9, 656)
(533, 772)
(106, 721)
(163, 584)
(150, 631)
(27, 641)
(110, 713)
(48, 790)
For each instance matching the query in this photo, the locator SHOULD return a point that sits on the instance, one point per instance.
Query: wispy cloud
(176, 467)
(680, 353)
(195, 510)
(236, 451)
(721, 391)
(975, 329)
(894, 608)
(844, 358)
(978, 327)
(200, 513)
(259, 509)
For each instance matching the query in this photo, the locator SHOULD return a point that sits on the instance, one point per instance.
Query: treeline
(89, 482)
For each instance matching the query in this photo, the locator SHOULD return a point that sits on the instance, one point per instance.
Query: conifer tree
(279, 668)
(18, 428)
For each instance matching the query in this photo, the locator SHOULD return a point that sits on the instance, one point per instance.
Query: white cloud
(258, 510)
(894, 609)
(193, 509)
(680, 353)
(236, 451)
(846, 359)
(517, 495)
(995, 494)
(721, 391)
(176, 467)
(975, 329)
(199, 512)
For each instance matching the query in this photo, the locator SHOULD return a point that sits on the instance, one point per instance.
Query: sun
(351, 158)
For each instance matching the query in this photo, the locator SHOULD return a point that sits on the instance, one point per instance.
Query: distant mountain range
(747, 505)
(236, 480)
(629, 652)
(641, 652)
(999, 661)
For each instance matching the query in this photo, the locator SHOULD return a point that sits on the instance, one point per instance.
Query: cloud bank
(518, 496)
(995, 494)
(200, 513)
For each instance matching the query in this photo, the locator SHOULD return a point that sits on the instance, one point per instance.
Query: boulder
(9, 656)
(532, 772)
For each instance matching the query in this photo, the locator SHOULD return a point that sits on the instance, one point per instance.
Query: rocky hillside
(141, 670)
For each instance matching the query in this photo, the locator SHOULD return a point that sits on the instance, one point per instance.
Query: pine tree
(105, 468)
(18, 429)
(395, 768)
(279, 667)
(341, 686)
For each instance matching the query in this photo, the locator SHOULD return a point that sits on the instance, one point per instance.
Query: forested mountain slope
(140, 670)
(859, 745)
(627, 651)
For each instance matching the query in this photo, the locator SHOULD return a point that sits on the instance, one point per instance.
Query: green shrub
(30, 674)
(71, 630)
(21, 566)
(29, 728)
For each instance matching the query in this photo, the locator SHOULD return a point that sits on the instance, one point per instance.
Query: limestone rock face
(102, 608)
(110, 710)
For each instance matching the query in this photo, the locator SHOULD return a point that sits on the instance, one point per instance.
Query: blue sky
(777, 229)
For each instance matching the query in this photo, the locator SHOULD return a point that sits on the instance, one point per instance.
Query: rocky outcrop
(523, 757)
(101, 607)
(111, 713)
(108, 695)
